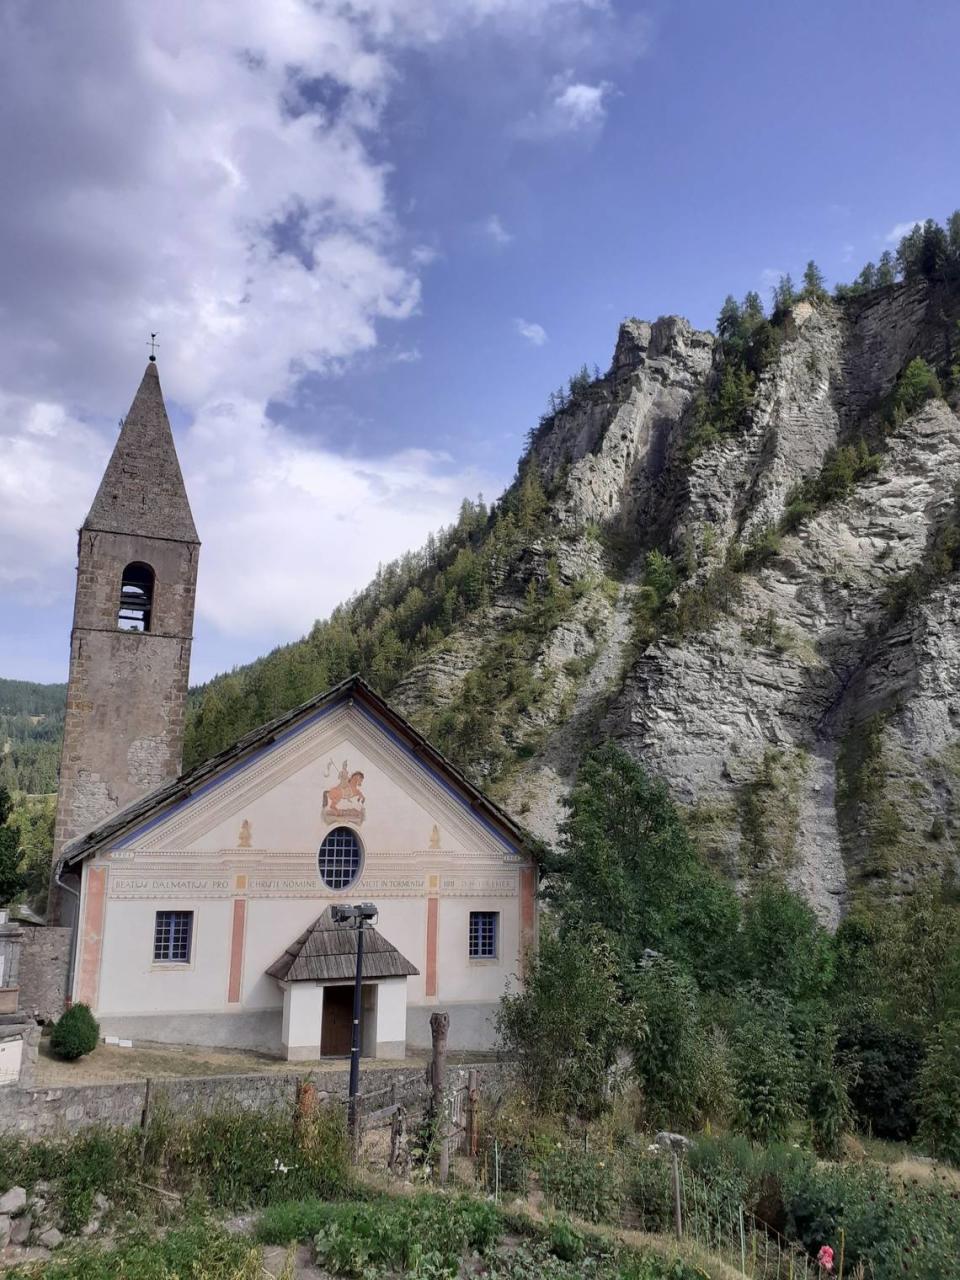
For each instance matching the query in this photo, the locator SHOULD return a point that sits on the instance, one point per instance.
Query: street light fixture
(356, 917)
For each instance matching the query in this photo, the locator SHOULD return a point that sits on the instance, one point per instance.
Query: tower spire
(142, 489)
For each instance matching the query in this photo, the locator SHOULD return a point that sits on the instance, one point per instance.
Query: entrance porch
(316, 975)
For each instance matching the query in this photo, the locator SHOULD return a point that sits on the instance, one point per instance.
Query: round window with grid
(339, 858)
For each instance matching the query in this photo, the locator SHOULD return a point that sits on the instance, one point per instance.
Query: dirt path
(108, 1064)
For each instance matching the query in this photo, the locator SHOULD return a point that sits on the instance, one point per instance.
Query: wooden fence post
(473, 1106)
(439, 1029)
(677, 1210)
(144, 1122)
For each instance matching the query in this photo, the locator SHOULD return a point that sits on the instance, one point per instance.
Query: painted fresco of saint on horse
(345, 799)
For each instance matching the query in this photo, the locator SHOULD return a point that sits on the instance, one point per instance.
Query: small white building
(204, 908)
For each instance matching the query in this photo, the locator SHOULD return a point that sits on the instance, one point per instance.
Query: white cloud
(846, 252)
(570, 107)
(289, 530)
(208, 171)
(897, 232)
(534, 333)
(494, 228)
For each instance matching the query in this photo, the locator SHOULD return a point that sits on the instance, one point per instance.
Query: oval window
(339, 858)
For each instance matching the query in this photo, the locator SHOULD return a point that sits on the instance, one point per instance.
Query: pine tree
(784, 295)
(814, 285)
(886, 269)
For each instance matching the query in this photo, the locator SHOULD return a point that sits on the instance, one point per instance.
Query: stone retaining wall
(47, 1112)
(44, 959)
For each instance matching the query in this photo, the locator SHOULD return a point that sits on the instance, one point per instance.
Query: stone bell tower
(132, 629)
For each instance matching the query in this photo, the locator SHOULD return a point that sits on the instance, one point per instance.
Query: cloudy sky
(373, 234)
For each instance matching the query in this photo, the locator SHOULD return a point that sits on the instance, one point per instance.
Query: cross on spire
(153, 344)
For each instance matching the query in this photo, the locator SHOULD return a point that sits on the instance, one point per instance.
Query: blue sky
(372, 243)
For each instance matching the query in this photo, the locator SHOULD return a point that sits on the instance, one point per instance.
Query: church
(201, 903)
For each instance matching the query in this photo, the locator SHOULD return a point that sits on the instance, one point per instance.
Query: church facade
(202, 902)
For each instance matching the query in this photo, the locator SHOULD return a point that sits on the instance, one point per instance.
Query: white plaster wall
(458, 977)
(303, 1015)
(129, 980)
(11, 1053)
(391, 1011)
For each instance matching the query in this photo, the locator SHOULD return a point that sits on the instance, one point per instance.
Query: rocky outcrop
(812, 725)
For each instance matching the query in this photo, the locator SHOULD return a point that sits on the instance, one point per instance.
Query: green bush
(916, 385)
(940, 1092)
(200, 1249)
(426, 1235)
(649, 1191)
(234, 1159)
(886, 1063)
(767, 1083)
(586, 1183)
(75, 1033)
(563, 1030)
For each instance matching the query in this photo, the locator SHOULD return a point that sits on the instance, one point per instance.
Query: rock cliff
(800, 689)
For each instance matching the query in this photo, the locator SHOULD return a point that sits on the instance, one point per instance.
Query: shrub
(883, 1091)
(828, 1102)
(784, 945)
(586, 1183)
(916, 385)
(667, 1054)
(75, 1033)
(940, 1092)
(424, 1236)
(563, 1030)
(235, 1159)
(200, 1249)
(767, 1081)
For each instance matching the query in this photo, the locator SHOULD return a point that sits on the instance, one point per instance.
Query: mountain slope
(736, 555)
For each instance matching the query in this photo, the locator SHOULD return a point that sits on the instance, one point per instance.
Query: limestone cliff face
(810, 725)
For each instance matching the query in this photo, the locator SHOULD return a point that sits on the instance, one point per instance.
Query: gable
(285, 796)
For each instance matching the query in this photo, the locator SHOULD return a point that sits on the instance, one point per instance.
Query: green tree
(668, 1053)
(627, 864)
(916, 385)
(784, 946)
(886, 269)
(768, 1083)
(784, 295)
(940, 1092)
(814, 285)
(12, 882)
(563, 1031)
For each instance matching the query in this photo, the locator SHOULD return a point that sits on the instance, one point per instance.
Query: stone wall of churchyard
(44, 959)
(45, 1112)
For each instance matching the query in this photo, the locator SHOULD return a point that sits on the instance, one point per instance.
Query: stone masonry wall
(44, 960)
(48, 1112)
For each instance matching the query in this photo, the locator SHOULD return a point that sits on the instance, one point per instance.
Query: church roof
(327, 952)
(142, 489)
(156, 803)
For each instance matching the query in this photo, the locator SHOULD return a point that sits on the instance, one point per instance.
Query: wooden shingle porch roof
(327, 952)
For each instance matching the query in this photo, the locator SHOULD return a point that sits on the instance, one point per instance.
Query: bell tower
(132, 629)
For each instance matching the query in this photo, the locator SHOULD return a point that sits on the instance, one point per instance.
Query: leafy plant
(940, 1092)
(562, 1031)
(201, 1249)
(586, 1183)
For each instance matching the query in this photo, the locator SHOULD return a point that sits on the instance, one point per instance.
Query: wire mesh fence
(647, 1193)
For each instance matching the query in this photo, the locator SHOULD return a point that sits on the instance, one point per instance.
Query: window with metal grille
(173, 937)
(339, 858)
(484, 927)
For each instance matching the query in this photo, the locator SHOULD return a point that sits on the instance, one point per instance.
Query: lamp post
(357, 917)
